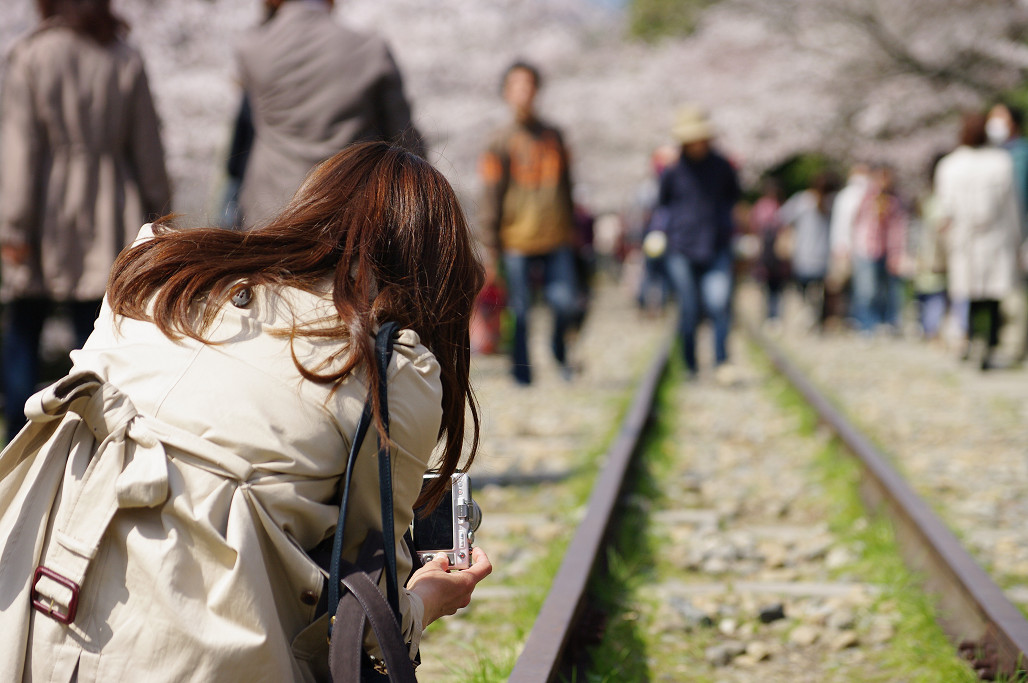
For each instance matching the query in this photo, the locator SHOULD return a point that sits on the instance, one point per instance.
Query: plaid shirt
(880, 229)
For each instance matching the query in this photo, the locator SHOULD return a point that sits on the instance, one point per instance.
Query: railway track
(979, 620)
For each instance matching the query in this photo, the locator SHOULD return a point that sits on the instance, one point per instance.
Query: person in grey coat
(315, 87)
(81, 168)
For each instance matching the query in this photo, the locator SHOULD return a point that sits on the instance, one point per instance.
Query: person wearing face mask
(978, 208)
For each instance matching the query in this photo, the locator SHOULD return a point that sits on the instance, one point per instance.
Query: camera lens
(475, 516)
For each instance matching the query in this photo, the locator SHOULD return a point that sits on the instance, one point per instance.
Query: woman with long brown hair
(206, 424)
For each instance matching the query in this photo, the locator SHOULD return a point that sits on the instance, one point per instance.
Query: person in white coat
(978, 205)
(156, 510)
(844, 213)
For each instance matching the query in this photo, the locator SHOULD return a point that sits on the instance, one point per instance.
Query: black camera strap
(383, 353)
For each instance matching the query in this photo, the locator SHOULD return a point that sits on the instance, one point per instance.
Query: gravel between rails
(960, 436)
(536, 441)
(744, 536)
(751, 584)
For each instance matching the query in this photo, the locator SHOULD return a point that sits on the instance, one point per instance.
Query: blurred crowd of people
(860, 253)
(83, 167)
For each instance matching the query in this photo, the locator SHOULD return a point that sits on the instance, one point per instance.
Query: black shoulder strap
(383, 353)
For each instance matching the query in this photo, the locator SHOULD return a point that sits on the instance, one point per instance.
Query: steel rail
(546, 648)
(972, 610)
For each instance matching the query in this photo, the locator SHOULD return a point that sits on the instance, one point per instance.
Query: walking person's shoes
(728, 375)
(996, 362)
(569, 370)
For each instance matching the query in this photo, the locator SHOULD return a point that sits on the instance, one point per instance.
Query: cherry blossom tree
(872, 79)
(859, 78)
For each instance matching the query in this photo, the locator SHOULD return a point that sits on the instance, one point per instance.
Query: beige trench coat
(193, 475)
(974, 189)
(81, 162)
(315, 87)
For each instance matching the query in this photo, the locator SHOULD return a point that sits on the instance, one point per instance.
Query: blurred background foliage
(651, 20)
(797, 173)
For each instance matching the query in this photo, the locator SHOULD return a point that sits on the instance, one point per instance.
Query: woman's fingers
(481, 567)
(443, 592)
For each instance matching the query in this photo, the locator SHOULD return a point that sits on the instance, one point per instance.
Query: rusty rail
(546, 648)
(986, 627)
(972, 610)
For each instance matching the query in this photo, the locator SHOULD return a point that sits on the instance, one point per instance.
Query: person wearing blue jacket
(696, 200)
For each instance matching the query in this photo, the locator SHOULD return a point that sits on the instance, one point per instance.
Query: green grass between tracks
(919, 652)
(488, 662)
(629, 652)
(951, 380)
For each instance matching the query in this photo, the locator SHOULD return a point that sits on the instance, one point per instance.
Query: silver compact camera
(450, 528)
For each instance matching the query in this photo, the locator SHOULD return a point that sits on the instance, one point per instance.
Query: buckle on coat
(46, 604)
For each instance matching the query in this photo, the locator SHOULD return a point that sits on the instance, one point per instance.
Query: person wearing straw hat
(697, 196)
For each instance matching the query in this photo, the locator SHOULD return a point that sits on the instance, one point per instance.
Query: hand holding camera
(449, 529)
(442, 591)
(444, 540)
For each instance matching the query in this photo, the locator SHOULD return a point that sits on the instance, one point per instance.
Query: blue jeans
(932, 311)
(877, 294)
(23, 326)
(705, 289)
(557, 269)
(653, 290)
(961, 314)
(773, 293)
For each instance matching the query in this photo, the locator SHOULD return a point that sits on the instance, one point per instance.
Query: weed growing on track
(630, 561)
(919, 652)
(628, 650)
(998, 405)
(494, 635)
(634, 652)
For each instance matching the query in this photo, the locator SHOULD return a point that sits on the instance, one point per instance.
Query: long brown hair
(384, 225)
(93, 18)
(972, 129)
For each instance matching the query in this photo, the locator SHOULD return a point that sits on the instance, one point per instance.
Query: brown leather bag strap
(364, 602)
(346, 645)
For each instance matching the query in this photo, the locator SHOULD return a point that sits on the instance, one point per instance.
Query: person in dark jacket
(235, 166)
(314, 86)
(697, 196)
